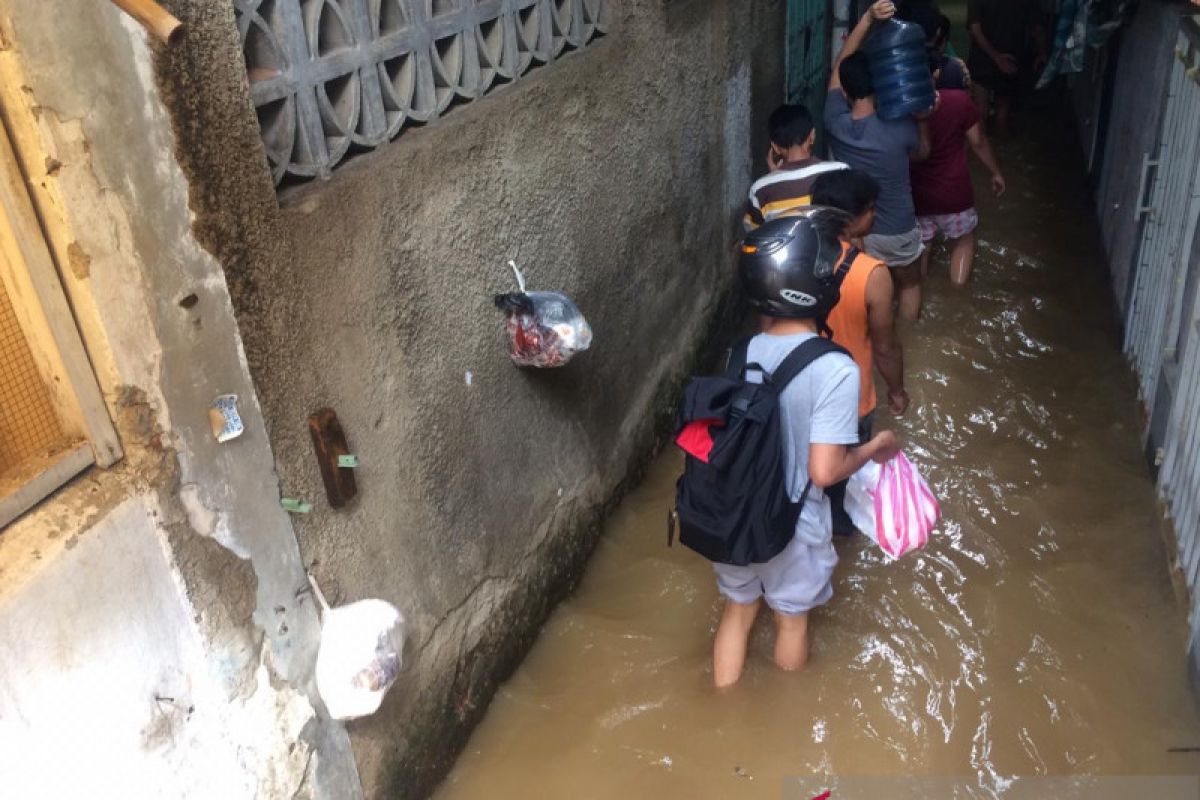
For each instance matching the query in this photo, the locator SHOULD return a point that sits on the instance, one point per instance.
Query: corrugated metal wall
(1142, 69)
(1175, 343)
(1162, 323)
(1171, 209)
(1180, 474)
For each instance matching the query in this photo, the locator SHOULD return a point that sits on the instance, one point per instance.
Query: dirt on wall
(204, 86)
(613, 174)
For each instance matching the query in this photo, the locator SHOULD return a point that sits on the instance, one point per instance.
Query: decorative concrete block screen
(332, 77)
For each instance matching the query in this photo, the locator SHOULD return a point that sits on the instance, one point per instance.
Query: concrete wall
(151, 640)
(616, 175)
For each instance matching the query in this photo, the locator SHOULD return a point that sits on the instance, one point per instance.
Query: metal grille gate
(1171, 219)
(1163, 324)
(807, 58)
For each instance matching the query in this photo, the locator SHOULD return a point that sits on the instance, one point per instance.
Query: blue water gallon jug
(899, 66)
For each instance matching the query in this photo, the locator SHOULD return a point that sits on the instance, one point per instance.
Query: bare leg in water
(962, 258)
(729, 646)
(985, 101)
(1002, 106)
(791, 641)
(733, 636)
(908, 284)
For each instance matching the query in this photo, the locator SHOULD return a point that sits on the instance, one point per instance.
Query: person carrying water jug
(788, 268)
(882, 145)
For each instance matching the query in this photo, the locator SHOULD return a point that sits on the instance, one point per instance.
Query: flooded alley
(1039, 633)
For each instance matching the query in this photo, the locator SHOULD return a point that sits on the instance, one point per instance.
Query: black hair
(855, 75)
(936, 60)
(935, 24)
(790, 126)
(850, 190)
(907, 9)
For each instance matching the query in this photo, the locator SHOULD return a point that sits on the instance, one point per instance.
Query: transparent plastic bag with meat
(545, 329)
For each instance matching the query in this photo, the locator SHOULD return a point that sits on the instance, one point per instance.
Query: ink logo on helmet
(796, 298)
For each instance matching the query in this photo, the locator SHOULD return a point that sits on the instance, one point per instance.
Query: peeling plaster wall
(616, 175)
(108, 689)
(152, 643)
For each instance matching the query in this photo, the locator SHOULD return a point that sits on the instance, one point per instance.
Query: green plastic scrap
(294, 505)
(348, 461)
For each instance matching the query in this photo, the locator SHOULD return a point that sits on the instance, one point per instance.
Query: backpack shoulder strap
(801, 357)
(737, 358)
(848, 260)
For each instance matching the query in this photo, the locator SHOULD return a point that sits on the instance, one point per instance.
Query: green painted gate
(807, 58)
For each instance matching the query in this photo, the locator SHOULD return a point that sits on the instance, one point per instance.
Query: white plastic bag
(893, 505)
(360, 655)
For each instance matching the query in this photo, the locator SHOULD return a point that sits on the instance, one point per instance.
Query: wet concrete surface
(1039, 633)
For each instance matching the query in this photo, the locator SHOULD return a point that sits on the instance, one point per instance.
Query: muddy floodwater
(1039, 633)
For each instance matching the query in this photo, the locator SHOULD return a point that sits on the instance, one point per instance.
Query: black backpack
(732, 503)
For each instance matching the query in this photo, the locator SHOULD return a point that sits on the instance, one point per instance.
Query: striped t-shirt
(786, 189)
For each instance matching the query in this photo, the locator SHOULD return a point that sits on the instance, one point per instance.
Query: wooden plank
(157, 21)
(329, 442)
(32, 280)
(34, 490)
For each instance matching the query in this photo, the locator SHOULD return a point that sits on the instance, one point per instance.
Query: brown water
(1039, 633)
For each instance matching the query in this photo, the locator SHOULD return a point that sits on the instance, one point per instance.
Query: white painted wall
(106, 690)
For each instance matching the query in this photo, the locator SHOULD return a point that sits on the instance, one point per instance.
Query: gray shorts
(895, 251)
(794, 582)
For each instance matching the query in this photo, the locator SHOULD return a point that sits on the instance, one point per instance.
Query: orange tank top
(851, 326)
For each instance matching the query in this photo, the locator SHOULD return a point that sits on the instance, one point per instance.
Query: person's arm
(833, 429)
(924, 146)
(885, 345)
(880, 10)
(978, 140)
(1005, 61)
(832, 463)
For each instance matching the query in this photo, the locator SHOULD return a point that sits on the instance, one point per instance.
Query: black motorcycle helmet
(787, 266)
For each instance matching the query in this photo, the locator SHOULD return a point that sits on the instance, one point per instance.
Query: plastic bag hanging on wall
(545, 329)
(360, 654)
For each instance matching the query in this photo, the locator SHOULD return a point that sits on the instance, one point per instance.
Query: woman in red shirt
(941, 185)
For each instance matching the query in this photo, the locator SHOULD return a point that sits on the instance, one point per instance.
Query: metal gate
(1179, 479)
(1163, 326)
(807, 58)
(1170, 223)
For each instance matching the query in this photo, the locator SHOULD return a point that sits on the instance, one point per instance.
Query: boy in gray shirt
(793, 287)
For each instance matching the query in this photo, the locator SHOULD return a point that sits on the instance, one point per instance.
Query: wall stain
(80, 261)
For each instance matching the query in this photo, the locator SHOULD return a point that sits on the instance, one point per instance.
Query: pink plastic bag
(893, 505)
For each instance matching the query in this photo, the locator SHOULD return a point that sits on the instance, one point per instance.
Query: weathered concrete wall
(615, 175)
(1146, 53)
(151, 640)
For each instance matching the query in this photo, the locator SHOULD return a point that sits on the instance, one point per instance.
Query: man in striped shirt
(788, 185)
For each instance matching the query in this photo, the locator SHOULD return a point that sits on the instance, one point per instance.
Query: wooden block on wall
(329, 441)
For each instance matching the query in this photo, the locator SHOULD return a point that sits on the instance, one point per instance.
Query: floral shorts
(952, 226)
